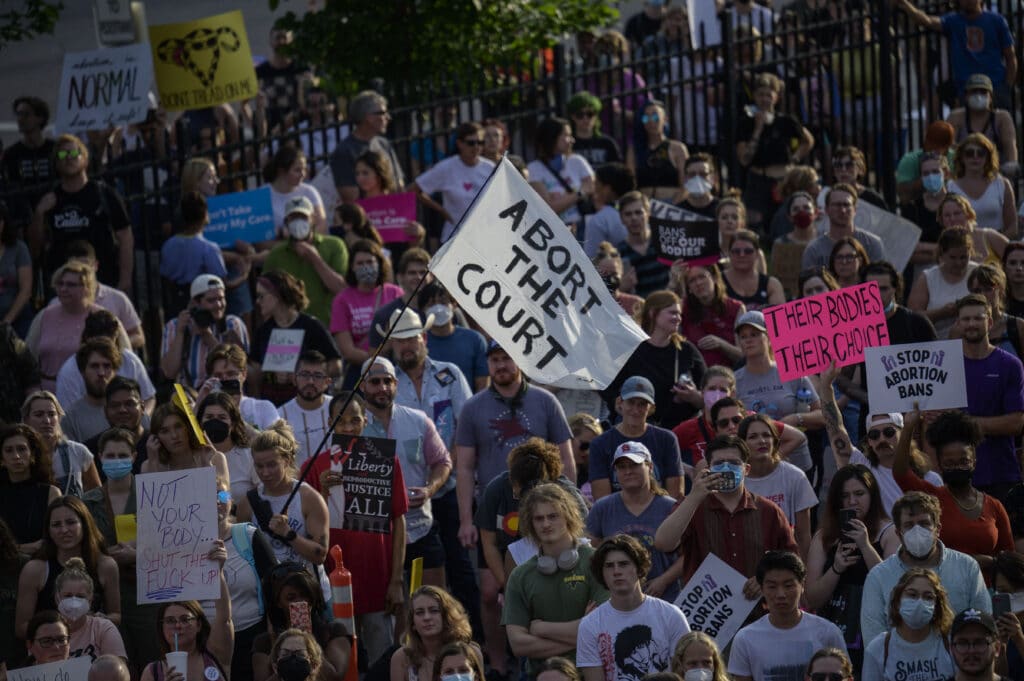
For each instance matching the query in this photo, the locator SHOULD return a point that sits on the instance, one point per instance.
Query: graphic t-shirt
(927, 660)
(95, 214)
(353, 310)
(630, 645)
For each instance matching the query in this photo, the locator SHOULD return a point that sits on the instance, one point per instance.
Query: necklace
(967, 508)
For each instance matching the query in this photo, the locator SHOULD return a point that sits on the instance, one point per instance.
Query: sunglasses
(68, 153)
(876, 433)
(732, 420)
(827, 676)
(974, 152)
(473, 142)
(650, 118)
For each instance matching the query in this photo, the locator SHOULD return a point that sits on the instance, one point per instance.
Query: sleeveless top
(941, 292)
(23, 507)
(989, 130)
(989, 206)
(756, 301)
(657, 170)
(47, 599)
(296, 522)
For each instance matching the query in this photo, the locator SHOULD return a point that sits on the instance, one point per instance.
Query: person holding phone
(721, 516)
(1008, 611)
(854, 536)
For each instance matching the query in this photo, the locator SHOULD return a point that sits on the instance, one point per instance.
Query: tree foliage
(33, 18)
(352, 42)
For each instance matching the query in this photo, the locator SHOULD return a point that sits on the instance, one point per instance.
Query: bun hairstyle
(75, 571)
(280, 438)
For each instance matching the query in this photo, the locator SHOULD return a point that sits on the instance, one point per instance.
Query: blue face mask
(932, 182)
(457, 677)
(115, 469)
(737, 473)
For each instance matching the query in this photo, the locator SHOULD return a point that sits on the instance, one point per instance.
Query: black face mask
(293, 668)
(611, 281)
(957, 478)
(216, 430)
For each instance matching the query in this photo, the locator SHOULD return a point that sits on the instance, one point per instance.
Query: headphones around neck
(567, 560)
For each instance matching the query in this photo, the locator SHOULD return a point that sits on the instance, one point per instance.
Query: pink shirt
(54, 336)
(352, 311)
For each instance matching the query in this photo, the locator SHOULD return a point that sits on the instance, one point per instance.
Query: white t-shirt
(928, 660)
(766, 653)
(71, 385)
(258, 413)
(574, 171)
(458, 184)
(787, 486)
(887, 485)
(241, 471)
(630, 645)
(309, 426)
(279, 200)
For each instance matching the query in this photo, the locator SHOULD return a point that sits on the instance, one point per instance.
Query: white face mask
(298, 228)
(919, 541)
(442, 313)
(977, 102)
(698, 186)
(73, 607)
(698, 674)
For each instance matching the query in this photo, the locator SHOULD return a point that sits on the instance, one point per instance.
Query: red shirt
(739, 537)
(694, 434)
(367, 555)
(714, 324)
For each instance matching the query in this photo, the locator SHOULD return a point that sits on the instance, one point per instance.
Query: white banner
(516, 269)
(101, 88)
(73, 669)
(931, 374)
(177, 524)
(713, 600)
(899, 235)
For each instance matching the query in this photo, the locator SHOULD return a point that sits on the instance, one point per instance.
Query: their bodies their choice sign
(104, 88)
(713, 600)
(390, 214)
(367, 465)
(72, 669)
(514, 267)
(177, 523)
(836, 326)
(241, 216)
(930, 374)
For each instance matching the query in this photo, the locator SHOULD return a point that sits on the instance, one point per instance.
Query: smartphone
(231, 386)
(845, 516)
(1000, 604)
(685, 379)
(726, 481)
(298, 616)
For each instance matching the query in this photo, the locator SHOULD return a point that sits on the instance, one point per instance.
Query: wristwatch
(290, 537)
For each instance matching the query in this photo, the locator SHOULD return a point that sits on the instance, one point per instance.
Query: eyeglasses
(964, 645)
(650, 118)
(175, 621)
(846, 257)
(974, 152)
(742, 251)
(725, 423)
(876, 433)
(826, 676)
(473, 142)
(68, 153)
(586, 113)
(309, 375)
(51, 641)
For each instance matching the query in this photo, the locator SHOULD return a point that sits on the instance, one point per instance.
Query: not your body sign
(516, 269)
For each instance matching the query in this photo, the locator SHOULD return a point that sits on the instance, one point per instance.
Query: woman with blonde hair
(920, 618)
(56, 332)
(936, 290)
(1007, 331)
(671, 363)
(74, 468)
(296, 656)
(976, 177)
(826, 663)
(434, 619)
(956, 210)
(584, 428)
(697, 658)
(298, 533)
(90, 635)
(744, 276)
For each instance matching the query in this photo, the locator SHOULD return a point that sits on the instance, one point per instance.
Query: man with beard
(123, 409)
(28, 163)
(80, 208)
(631, 634)
(491, 424)
(995, 397)
(98, 360)
(439, 390)
(309, 412)
(974, 642)
(426, 463)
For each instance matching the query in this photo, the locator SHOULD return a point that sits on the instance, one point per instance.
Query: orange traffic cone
(344, 610)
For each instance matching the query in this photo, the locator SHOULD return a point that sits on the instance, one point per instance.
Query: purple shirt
(995, 386)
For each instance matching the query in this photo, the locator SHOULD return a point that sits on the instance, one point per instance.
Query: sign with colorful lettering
(367, 465)
(177, 524)
(241, 216)
(100, 89)
(930, 374)
(390, 214)
(713, 600)
(809, 334)
(283, 350)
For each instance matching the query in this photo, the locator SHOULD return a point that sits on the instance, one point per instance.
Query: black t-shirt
(926, 219)
(281, 86)
(95, 214)
(640, 26)
(598, 150)
(777, 143)
(31, 170)
(707, 211)
(316, 338)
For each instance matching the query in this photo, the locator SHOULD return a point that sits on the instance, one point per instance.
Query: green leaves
(34, 18)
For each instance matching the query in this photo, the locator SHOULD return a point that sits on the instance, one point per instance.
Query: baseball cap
(637, 386)
(939, 136)
(298, 204)
(205, 283)
(895, 418)
(494, 346)
(634, 451)
(979, 81)
(973, 616)
(752, 318)
(380, 367)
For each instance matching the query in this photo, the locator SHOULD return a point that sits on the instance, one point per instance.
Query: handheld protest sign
(809, 334)
(713, 600)
(240, 216)
(71, 669)
(367, 465)
(177, 523)
(104, 88)
(283, 350)
(390, 213)
(930, 374)
(695, 242)
(516, 269)
(180, 400)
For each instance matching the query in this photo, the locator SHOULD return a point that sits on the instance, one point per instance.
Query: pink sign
(809, 334)
(390, 214)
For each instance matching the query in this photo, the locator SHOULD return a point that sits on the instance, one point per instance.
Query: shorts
(429, 548)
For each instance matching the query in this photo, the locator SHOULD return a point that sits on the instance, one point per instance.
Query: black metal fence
(866, 76)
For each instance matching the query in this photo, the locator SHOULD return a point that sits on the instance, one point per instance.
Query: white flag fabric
(515, 268)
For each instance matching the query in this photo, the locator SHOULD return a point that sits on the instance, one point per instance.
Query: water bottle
(804, 397)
